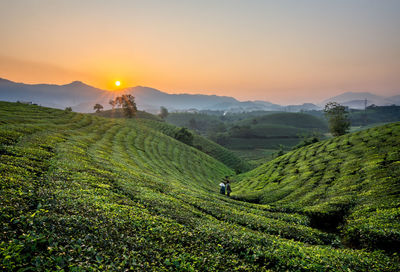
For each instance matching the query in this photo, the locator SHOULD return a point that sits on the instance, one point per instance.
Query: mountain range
(82, 97)
(358, 100)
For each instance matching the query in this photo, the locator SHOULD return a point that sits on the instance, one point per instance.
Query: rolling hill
(209, 147)
(271, 130)
(81, 192)
(351, 182)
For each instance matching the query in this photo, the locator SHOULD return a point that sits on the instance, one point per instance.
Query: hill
(356, 100)
(374, 115)
(351, 182)
(119, 113)
(254, 136)
(82, 97)
(51, 95)
(214, 150)
(271, 130)
(84, 193)
(203, 123)
(211, 148)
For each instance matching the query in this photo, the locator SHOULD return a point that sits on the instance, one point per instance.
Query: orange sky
(279, 51)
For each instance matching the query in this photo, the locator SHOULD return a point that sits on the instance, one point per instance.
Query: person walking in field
(228, 188)
(222, 189)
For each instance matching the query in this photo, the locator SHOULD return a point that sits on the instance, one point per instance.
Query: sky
(279, 51)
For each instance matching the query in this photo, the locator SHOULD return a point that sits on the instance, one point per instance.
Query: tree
(113, 103)
(68, 109)
(163, 112)
(337, 118)
(98, 107)
(118, 101)
(127, 101)
(185, 136)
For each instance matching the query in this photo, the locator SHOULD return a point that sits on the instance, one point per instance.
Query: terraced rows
(89, 193)
(220, 153)
(347, 180)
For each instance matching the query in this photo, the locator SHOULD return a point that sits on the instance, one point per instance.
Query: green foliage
(374, 115)
(249, 132)
(119, 113)
(209, 147)
(307, 141)
(337, 118)
(184, 135)
(128, 104)
(349, 183)
(83, 193)
(163, 112)
(297, 120)
(98, 107)
(204, 124)
(270, 131)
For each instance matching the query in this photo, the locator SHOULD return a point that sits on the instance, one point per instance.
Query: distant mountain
(356, 100)
(81, 97)
(50, 95)
(394, 100)
(152, 99)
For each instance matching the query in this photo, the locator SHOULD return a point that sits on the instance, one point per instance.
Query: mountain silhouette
(356, 100)
(81, 97)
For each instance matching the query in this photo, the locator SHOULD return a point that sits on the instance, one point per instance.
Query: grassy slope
(118, 113)
(80, 192)
(353, 178)
(209, 147)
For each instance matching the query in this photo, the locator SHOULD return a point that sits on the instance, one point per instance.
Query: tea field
(80, 192)
(349, 184)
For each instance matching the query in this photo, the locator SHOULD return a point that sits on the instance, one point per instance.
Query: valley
(83, 192)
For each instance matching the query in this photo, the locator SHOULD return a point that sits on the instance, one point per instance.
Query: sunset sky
(279, 51)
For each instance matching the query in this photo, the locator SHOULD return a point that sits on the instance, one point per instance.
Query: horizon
(282, 52)
(318, 103)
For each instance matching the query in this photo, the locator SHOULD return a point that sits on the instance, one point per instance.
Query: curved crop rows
(350, 181)
(80, 192)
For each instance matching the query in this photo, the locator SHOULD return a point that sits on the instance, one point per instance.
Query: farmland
(352, 180)
(254, 134)
(83, 192)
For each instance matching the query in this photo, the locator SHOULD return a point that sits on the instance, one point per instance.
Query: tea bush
(85, 193)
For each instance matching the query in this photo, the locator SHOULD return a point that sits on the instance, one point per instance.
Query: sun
(117, 83)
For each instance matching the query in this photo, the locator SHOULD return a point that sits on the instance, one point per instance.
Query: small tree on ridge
(98, 107)
(127, 101)
(163, 112)
(337, 118)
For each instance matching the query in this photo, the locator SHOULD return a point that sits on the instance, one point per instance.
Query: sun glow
(117, 83)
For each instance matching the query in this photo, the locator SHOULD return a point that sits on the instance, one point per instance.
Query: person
(222, 189)
(228, 188)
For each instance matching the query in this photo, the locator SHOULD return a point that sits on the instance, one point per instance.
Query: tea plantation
(84, 193)
(349, 184)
